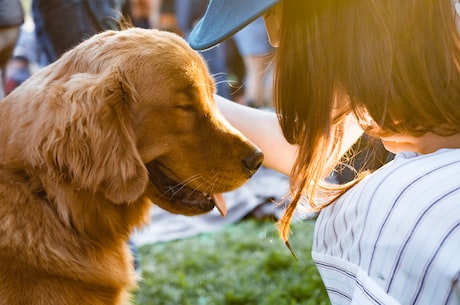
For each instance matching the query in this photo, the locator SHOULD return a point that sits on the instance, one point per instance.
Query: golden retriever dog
(87, 144)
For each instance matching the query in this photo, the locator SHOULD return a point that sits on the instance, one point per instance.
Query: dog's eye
(188, 108)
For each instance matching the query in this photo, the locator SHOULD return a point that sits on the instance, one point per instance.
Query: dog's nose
(252, 162)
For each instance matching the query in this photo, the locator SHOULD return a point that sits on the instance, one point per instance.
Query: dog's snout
(252, 162)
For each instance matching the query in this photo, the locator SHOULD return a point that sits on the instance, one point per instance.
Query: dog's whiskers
(214, 180)
(206, 190)
(229, 82)
(174, 189)
(220, 74)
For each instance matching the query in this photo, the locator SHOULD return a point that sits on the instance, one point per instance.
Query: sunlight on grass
(245, 263)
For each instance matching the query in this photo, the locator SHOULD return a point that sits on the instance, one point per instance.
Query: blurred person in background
(185, 13)
(11, 19)
(26, 57)
(62, 24)
(143, 13)
(257, 54)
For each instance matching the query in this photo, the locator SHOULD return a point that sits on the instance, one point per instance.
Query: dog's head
(134, 116)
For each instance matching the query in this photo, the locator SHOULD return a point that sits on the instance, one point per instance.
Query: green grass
(245, 263)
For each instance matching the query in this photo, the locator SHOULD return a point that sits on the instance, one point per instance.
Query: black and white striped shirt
(394, 238)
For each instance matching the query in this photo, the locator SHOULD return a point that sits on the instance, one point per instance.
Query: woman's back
(397, 232)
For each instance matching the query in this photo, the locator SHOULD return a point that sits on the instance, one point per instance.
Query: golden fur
(125, 119)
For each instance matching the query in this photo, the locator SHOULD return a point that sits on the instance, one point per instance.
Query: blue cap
(223, 18)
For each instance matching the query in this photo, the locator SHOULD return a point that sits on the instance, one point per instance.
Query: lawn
(245, 263)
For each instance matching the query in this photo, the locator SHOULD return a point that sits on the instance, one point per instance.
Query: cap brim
(223, 18)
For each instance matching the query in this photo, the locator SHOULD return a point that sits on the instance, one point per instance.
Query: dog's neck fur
(109, 231)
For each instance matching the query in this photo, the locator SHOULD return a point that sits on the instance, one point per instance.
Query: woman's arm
(262, 129)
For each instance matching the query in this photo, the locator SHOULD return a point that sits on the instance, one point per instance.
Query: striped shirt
(394, 238)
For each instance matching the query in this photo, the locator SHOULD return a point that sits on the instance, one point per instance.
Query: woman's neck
(425, 144)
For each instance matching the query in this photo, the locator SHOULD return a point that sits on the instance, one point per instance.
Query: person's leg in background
(26, 58)
(216, 59)
(188, 12)
(257, 53)
(8, 37)
(11, 18)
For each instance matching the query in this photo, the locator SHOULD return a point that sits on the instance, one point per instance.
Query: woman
(393, 236)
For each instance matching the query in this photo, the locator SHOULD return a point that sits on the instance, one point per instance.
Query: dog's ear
(94, 145)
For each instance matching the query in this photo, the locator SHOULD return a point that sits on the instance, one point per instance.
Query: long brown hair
(395, 61)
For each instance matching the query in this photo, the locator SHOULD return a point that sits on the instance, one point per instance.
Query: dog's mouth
(186, 200)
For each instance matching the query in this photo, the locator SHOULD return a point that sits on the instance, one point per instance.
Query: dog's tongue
(220, 203)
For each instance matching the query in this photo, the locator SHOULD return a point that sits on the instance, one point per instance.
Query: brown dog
(124, 119)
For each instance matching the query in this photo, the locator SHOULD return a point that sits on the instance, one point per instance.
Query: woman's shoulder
(410, 179)
(409, 166)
